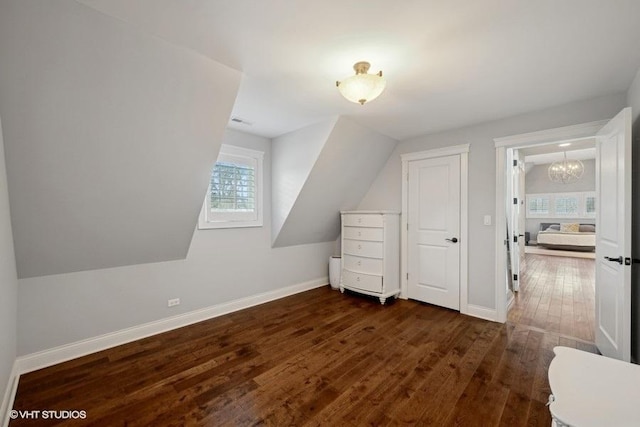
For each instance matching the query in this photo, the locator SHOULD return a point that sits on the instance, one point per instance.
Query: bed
(567, 236)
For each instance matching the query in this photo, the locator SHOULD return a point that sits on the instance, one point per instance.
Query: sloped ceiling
(448, 64)
(343, 171)
(109, 134)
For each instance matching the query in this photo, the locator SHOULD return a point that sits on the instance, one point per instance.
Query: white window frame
(238, 155)
(582, 205)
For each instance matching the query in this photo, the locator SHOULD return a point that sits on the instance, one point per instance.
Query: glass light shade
(566, 171)
(362, 87)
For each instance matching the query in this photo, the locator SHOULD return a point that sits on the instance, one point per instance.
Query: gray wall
(537, 181)
(222, 265)
(386, 190)
(294, 155)
(8, 284)
(633, 101)
(110, 135)
(349, 161)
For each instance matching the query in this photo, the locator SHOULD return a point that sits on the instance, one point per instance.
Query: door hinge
(407, 226)
(515, 163)
(407, 276)
(515, 200)
(515, 277)
(629, 261)
(515, 239)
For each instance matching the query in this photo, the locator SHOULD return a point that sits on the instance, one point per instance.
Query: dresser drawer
(364, 233)
(362, 281)
(363, 265)
(362, 248)
(362, 220)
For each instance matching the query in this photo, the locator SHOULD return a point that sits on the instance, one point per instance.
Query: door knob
(452, 240)
(618, 259)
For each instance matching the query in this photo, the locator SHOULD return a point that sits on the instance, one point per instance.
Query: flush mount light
(362, 87)
(564, 144)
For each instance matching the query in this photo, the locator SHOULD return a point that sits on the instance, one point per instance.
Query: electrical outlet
(173, 302)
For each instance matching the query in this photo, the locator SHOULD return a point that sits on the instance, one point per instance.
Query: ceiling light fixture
(362, 87)
(564, 144)
(566, 171)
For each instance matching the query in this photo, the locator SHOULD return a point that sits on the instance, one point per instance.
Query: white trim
(436, 152)
(9, 395)
(463, 151)
(43, 359)
(567, 133)
(481, 312)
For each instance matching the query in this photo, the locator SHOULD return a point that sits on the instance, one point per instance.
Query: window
(234, 196)
(566, 205)
(538, 205)
(561, 205)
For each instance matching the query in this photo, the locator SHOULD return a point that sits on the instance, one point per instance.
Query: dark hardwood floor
(318, 358)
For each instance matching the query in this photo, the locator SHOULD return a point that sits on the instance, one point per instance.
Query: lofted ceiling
(447, 64)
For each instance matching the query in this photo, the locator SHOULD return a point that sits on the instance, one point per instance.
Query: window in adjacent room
(537, 206)
(234, 196)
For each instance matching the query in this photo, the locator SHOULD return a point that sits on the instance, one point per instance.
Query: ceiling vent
(241, 121)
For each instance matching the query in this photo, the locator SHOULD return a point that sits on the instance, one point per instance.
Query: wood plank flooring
(319, 358)
(557, 296)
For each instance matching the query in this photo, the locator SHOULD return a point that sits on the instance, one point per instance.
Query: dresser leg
(382, 300)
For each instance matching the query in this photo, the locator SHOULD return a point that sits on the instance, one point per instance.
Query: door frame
(463, 151)
(556, 135)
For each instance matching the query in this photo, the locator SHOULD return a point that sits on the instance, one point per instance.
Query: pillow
(569, 227)
(554, 227)
(587, 228)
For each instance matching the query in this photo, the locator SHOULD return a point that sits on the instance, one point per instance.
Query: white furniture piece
(371, 253)
(589, 390)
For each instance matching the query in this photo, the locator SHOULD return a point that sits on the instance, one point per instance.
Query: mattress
(564, 240)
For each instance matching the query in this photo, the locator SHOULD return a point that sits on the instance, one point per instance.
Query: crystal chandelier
(362, 87)
(566, 171)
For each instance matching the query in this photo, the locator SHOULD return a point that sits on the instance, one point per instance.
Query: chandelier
(566, 171)
(362, 87)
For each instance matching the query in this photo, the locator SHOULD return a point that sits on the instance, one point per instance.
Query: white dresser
(371, 253)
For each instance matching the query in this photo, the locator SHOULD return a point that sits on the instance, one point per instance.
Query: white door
(433, 259)
(613, 237)
(515, 226)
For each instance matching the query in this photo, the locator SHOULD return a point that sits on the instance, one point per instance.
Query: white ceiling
(447, 64)
(583, 149)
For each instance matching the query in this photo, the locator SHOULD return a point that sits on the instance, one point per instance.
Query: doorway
(613, 230)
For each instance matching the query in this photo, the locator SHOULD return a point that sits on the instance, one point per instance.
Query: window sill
(228, 224)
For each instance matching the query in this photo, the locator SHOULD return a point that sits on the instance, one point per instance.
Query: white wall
(8, 285)
(109, 135)
(222, 265)
(387, 188)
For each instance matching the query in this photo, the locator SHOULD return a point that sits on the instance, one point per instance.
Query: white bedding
(552, 237)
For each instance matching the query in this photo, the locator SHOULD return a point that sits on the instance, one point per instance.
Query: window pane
(566, 205)
(538, 205)
(232, 188)
(590, 203)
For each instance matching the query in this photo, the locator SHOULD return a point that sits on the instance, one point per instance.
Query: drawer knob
(359, 262)
(359, 233)
(359, 246)
(358, 278)
(359, 220)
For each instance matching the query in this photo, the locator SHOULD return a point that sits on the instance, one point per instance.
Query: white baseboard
(9, 395)
(43, 359)
(482, 312)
